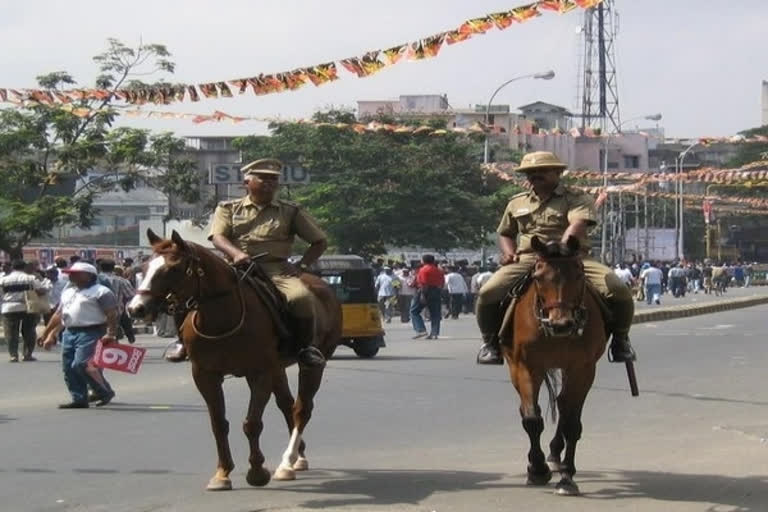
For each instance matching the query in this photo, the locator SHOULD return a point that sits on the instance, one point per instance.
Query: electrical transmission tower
(599, 92)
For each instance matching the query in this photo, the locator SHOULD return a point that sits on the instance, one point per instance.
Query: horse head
(166, 277)
(560, 285)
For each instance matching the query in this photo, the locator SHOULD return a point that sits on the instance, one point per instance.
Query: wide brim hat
(538, 160)
(80, 266)
(271, 166)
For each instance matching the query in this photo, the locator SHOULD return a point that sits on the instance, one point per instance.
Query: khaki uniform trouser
(300, 302)
(616, 293)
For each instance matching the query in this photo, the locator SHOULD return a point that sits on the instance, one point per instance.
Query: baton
(632, 378)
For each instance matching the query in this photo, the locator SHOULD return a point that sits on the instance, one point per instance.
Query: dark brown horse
(557, 324)
(229, 331)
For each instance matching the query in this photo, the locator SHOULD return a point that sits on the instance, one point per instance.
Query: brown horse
(557, 324)
(228, 330)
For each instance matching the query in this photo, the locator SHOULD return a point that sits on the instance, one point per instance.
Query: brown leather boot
(178, 354)
(308, 354)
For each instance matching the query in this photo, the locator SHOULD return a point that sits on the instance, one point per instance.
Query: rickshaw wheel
(366, 348)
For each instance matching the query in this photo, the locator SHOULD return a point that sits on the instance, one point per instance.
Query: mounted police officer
(553, 212)
(259, 223)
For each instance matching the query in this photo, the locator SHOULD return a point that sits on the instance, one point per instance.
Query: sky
(699, 63)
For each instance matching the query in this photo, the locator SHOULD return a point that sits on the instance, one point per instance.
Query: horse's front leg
(261, 390)
(528, 386)
(209, 385)
(285, 401)
(576, 385)
(309, 383)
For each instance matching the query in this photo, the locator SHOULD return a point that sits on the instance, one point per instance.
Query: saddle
(273, 299)
(521, 285)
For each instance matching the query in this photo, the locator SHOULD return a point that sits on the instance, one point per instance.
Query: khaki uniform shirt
(526, 215)
(271, 228)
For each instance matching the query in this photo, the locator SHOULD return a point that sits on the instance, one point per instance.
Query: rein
(579, 312)
(174, 304)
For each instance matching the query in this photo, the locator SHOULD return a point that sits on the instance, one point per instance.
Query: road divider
(686, 310)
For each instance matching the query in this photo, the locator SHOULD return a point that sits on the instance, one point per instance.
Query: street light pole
(681, 224)
(545, 75)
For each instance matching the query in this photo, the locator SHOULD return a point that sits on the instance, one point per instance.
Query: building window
(631, 162)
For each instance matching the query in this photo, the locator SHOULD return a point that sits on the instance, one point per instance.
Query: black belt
(87, 327)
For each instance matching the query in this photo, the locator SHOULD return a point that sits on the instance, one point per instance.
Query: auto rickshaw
(352, 279)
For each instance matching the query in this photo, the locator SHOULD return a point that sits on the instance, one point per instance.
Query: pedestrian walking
(124, 292)
(457, 289)
(405, 297)
(55, 286)
(20, 293)
(385, 291)
(87, 314)
(430, 281)
(652, 278)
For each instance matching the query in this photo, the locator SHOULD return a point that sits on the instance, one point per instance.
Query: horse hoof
(301, 464)
(285, 474)
(219, 484)
(258, 477)
(567, 488)
(554, 464)
(538, 478)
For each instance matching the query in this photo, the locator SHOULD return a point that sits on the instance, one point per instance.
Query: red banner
(123, 358)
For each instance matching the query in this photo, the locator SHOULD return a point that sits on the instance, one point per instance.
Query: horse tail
(552, 381)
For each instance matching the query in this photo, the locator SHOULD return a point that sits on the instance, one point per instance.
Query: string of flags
(319, 74)
(755, 171)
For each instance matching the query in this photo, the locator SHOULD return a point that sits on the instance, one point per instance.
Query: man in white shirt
(14, 288)
(651, 277)
(88, 313)
(385, 292)
(624, 274)
(405, 297)
(483, 277)
(457, 289)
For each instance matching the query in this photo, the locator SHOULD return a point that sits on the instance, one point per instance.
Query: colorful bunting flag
(457, 36)
(371, 63)
(426, 48)
(209, 90)
(503, 20)
(353, 65)
(477, 25)
(193, 96)
(525, 12)
(322, 73)
(224, 91)
(240, 84)
(395, 53)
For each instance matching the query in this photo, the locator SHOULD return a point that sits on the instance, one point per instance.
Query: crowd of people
(651, 280)
(430, 289)
(80, 303)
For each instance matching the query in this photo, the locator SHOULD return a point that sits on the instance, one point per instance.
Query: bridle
(578, 311)
(172, 304)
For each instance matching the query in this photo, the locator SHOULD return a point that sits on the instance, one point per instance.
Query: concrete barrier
(673, 312)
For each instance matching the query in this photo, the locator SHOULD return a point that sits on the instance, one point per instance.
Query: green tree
(45, 149)
(371, 190)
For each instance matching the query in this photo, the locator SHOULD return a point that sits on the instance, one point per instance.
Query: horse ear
(180, 243)
(538, 245)
(573, 244)
(152, 237)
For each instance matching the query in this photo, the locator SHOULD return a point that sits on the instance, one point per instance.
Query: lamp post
(545, 75)
(604, 216)
(680, 209)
